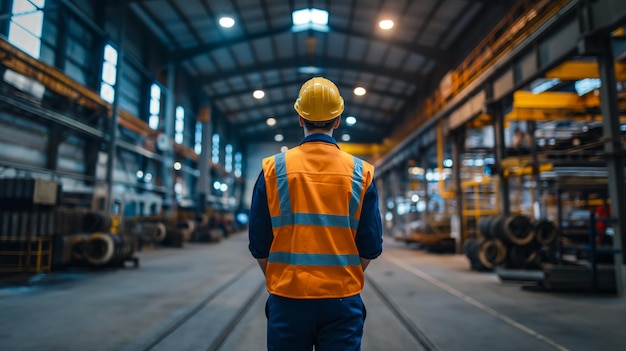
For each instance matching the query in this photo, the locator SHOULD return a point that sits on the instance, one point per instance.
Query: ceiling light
(284, 149)
(227, 22)
(359, 91)
(258, 94)
(385, 24)
(279, 137)
(350, 120)
(271, 121)
(345, 137)
(177, 166)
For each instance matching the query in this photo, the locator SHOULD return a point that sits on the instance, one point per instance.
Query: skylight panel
(310, 19)
(319, 17)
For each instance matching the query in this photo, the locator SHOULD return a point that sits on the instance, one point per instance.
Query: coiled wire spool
(484, 226)
(69, 249)
(153, 231)
(518, 230)
(186, 227)
(523, 256)
(485, 254)
(107, 248)
(545, 232)
(496, 228)
(514, 229)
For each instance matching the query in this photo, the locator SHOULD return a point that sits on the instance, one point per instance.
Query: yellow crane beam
(525, 114)
(576, 70)
(555, 100)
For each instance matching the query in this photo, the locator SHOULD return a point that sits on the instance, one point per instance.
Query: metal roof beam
(428, 52)
(299, 81)
(304, 61)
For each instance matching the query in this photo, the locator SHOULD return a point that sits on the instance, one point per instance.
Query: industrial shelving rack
(21, 255)
(28, 221)
(583, 257)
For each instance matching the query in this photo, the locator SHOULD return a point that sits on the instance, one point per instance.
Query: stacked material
(88, 237)
(577, 278)
(513, 241)
(28, 219)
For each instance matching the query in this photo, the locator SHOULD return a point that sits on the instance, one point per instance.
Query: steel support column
(203, 182)
(113, 121)
(55, 138)
(60, 49)
(167, 166)
(615, 157)
(500, 152)
(5, 17)
(90, 155)
(395, 192)
(457, 149)
(425, 164)
(382, 193)
(536, 177)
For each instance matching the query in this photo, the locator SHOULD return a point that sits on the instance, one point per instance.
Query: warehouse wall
(73, 38)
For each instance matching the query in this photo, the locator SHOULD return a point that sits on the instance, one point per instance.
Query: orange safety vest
(315, 193)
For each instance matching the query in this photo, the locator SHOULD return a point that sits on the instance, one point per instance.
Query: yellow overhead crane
(546, 106)
(576, 70)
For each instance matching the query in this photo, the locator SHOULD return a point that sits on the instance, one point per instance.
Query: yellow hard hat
(319, 100)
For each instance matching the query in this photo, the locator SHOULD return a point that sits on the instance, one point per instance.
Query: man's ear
(336, 125)
(301, 121)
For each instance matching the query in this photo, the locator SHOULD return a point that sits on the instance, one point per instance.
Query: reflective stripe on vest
(314, 259)
(327, 220)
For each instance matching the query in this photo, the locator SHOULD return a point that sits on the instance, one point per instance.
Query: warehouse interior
(132, 133)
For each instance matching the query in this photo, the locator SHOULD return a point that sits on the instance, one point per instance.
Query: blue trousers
(327, 324)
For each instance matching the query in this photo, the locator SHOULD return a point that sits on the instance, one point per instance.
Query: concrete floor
(437, 295)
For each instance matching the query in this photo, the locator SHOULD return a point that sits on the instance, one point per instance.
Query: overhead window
(179, 126)
(109, 72)
(197, 146)
(238, 164)
(215, 149)
(155, 106)
(26, 25)
(310, 19)
(228, 158)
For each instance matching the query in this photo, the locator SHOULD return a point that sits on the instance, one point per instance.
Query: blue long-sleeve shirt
(368, 235)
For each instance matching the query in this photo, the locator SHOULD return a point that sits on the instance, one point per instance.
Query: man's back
(314, 193)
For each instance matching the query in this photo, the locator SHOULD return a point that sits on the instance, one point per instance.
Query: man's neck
(317, 131)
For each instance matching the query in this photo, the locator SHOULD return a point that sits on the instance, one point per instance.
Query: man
(314, 227)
